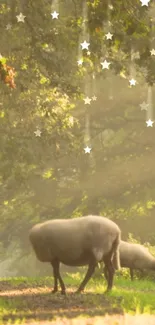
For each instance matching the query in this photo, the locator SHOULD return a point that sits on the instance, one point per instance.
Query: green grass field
(29, 300)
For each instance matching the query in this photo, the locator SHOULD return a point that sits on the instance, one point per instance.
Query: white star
(88, 52)
(152, 52)
(94, 98)
(87, 100)
(37, 133)
(105, 64)
(144, 106)
(80, 62)
(20, 18)
(132, 82)
(55, 15)
(109, 36)
(149, 123)
(87, 149)
(144, 2)
(8, 26)
(85, 45)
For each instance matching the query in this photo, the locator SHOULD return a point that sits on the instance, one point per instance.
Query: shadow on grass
(38, 303)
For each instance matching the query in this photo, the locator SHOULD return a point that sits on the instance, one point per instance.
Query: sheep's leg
(57, 276)
(131, 274)
(105, 271)
(90, 271)
(63, 289)
(110, 271)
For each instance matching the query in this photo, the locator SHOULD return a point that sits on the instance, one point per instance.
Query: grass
(25, 300)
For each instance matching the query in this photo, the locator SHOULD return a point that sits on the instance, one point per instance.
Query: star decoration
(88, 52)
(144, 2)
(152, 52)
(20, 18)
(149, 123)
(87, 100)
(85, 45)
(105, 64)
(80, 62)
(87, 149)
(144, 106)
(55, 15)
(37, 133)
(109, 36)
(8, 26)
(132, 82)
(94, 98)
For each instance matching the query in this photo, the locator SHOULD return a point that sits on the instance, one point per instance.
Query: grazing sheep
(77, 242)
(134, 256)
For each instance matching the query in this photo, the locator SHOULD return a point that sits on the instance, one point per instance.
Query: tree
(50, 175)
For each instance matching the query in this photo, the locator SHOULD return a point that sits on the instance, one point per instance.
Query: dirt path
(37, 305)
(107, 320)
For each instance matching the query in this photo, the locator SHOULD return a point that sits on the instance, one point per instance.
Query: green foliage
(51, 176)
(132, 239)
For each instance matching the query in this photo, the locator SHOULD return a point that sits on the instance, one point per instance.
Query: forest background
(48, 174)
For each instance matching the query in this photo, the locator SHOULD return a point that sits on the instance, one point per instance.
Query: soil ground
(35, 304)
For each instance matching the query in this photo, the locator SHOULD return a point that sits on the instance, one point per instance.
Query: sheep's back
(135, 255)
(86, 232)
(69, 238)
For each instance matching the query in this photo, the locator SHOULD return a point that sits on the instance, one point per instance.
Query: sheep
(77, 242)
(134, 256)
